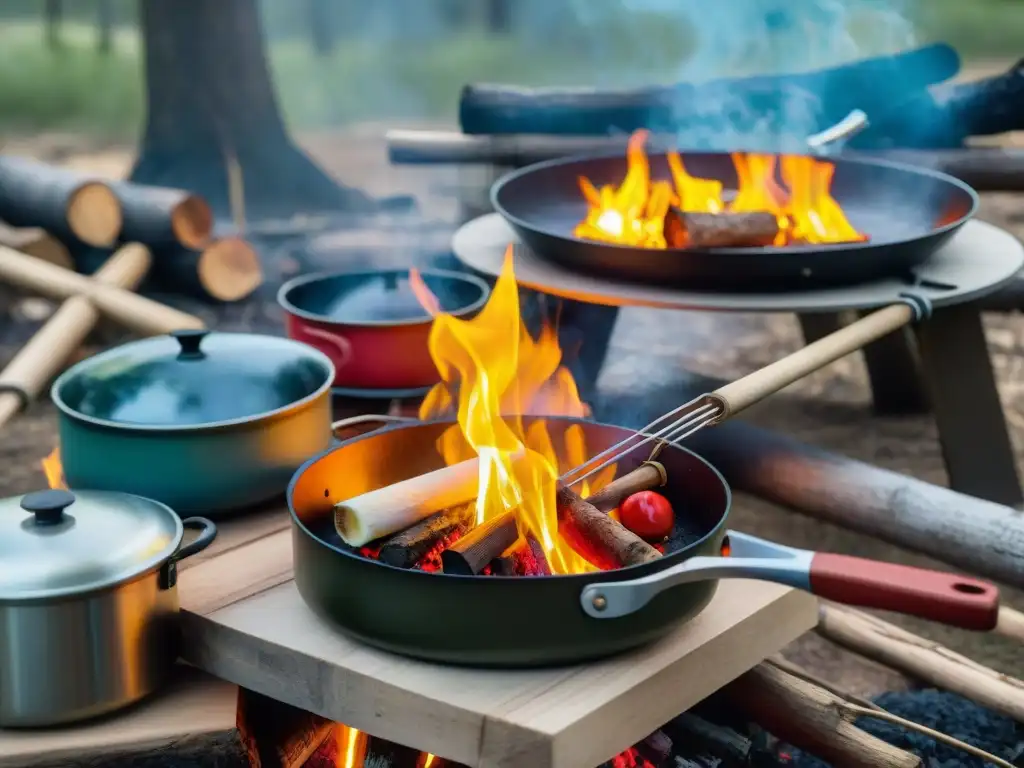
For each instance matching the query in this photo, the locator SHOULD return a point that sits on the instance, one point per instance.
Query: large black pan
(907, 212)
(536, 621)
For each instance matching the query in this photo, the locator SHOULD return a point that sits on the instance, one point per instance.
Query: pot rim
(628, 572)
(84, 365)
(312, 277)
(142, 569)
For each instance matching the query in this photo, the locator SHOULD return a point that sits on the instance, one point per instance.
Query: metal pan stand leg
(972, 429)
(896, 387)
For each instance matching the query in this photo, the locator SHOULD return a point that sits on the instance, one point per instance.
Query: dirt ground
(670, 343)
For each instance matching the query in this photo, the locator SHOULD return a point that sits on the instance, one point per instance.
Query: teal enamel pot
(203, 422)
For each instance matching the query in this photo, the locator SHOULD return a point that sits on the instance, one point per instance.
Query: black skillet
(539, 621)
(906, 211)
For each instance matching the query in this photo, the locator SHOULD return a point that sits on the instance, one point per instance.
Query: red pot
(371, 325)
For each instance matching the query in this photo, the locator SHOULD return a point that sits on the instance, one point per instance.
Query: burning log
(812, 719)
(597, 537)
(63, 202)
(277, 735)
(471, 553)
(394, 508)
(160, 216)
(541, 567)
(127, 308)
(38, 243)
(42, 357)
(505, 565)
(500, 109)
(720, 230)
(648, 475)
(407, 548)
(923, 659)
(226, 270)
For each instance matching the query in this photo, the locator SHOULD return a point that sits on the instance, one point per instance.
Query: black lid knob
(48, 506)
(190, 339)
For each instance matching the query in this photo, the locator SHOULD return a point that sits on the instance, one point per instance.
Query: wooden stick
(656, 748)
(926, 660)
(810, 718)
(129, 309)
(719, 741)
(49, 349)
(277, 735)
(541, 567)
(37, 243)
(61, 201)
(1011, 624)
(596, 536)
(648, 475)
(159, 216)
(797, 671)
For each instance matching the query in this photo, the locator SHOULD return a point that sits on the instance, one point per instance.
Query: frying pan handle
(935, 595)
(751, 389)
(369, 418)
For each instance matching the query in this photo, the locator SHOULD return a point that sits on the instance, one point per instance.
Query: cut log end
(94, 214)
(192, 222)
(229, 269)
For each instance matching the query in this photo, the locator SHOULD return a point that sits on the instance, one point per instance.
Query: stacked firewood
(73, 220)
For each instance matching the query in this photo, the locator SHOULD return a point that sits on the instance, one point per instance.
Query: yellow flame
(54, 470)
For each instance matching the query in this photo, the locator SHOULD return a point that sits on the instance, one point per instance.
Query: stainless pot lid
(192, 379)
(57, 543)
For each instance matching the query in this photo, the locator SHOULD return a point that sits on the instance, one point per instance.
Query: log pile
(71, 219)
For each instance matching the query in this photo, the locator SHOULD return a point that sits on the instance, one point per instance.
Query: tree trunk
(211, 103)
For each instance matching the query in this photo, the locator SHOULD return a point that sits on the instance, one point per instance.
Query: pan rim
(794, 250)
(296, 282)
(630, 571)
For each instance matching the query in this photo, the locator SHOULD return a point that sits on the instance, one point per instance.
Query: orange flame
(428, 760)
(493, 371)
(54, 470)
(634, 212)
(351, 747)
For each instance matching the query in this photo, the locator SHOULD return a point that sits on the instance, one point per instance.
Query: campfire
(498, 507)
(689, 212)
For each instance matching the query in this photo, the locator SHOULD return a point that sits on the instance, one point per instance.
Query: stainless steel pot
(88, 602)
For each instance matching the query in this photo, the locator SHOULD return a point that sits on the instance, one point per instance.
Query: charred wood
(683, 107)
(408, 547)
(67, 204)
(540, 565)
(701, 735)
(472, 552)
(720, 230)
(655, 749)
(277, 735)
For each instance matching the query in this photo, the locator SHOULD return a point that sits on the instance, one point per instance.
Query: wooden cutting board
(245, 622)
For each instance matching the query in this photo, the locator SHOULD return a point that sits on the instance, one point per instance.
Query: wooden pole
(38, 243)
(42, 358)
(923, 659)
(129, 309)
(808, 717)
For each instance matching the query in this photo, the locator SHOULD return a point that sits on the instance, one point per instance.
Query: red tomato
(648, 515)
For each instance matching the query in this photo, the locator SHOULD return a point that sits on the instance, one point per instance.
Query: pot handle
(207, 533)
(836, 136)
(948, 598)
(369, 418)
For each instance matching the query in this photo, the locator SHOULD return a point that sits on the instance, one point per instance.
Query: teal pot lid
(191, 379)
(57, 543)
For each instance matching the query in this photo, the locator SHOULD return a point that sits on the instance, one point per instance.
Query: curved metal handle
(750, 558)
(836, 136)
(207, 533)
(334, 345)
(370, 418)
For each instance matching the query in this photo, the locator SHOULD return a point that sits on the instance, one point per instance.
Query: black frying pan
(907, 212)
(538, 621)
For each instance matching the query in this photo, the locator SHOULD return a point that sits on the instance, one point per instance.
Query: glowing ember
(54, 470)
(634, 212)
(493, 372)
